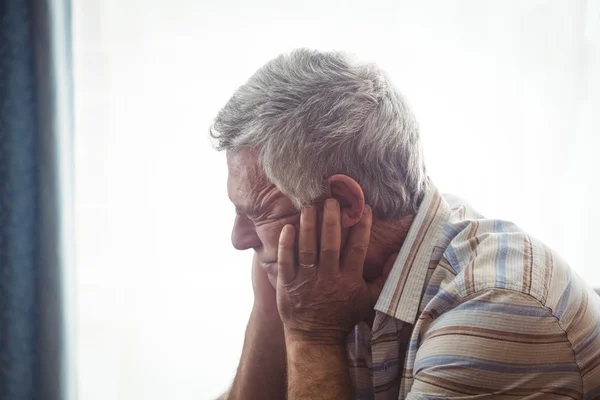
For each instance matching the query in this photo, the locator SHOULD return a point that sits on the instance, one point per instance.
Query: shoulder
(495, 340)
(497, 254)
(487, 255)
(505, 296)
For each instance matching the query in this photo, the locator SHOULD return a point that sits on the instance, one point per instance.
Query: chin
(273, 280)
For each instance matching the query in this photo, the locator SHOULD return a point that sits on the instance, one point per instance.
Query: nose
(243, 235)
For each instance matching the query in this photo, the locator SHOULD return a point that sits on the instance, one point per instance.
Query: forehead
(246, 182)
(244, 172)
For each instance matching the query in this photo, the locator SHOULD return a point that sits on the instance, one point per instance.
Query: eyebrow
(245, 210)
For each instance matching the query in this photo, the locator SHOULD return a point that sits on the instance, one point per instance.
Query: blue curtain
(35, 186)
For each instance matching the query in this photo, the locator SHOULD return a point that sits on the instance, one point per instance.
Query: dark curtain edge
(56, 286)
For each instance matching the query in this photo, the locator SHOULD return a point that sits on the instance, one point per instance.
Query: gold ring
(307, 265)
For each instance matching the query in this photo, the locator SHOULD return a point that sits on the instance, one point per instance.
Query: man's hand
(265, 299)
(262, 370)
(323, 296)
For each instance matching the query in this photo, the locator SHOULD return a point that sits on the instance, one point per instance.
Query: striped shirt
(477, 309)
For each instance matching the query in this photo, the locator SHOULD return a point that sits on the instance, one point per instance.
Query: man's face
(261, 210)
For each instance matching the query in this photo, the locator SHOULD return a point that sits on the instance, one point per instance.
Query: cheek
(269, 233)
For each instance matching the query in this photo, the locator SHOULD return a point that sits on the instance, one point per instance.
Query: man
(368, 284)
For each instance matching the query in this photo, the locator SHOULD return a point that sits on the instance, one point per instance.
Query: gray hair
(314, 114)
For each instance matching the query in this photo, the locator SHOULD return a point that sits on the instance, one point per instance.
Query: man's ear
(350, 196)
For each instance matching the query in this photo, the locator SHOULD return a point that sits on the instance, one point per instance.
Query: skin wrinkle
(314, 114)
(249, 189)
(308, 126)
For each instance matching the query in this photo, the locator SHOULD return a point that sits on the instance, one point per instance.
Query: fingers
(357, 244)
(328, 256)
(285, 255)
(307, 244)
(331, 237)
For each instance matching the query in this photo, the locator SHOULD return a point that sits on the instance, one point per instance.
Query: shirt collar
(401, 294)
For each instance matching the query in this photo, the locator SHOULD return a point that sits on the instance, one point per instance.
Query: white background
(507, 94)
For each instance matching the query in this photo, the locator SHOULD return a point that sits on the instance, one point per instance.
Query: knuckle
(307, 223)
(329, 251)
(330, 222)
(358, 249)
(307, 255)
(285, 241)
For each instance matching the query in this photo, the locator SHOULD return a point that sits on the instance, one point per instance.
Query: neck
(387, 238)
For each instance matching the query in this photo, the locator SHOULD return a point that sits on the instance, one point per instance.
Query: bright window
(507, 94)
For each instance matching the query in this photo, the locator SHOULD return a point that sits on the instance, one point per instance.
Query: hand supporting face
(323, 295)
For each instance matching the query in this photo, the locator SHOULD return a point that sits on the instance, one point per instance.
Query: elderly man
(368, 283)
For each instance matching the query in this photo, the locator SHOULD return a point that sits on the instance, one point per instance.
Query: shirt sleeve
(497, 344)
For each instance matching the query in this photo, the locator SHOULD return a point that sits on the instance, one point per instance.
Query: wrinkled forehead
(245, 178)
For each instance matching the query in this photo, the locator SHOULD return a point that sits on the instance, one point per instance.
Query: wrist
(317, 370)
(314, 337)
